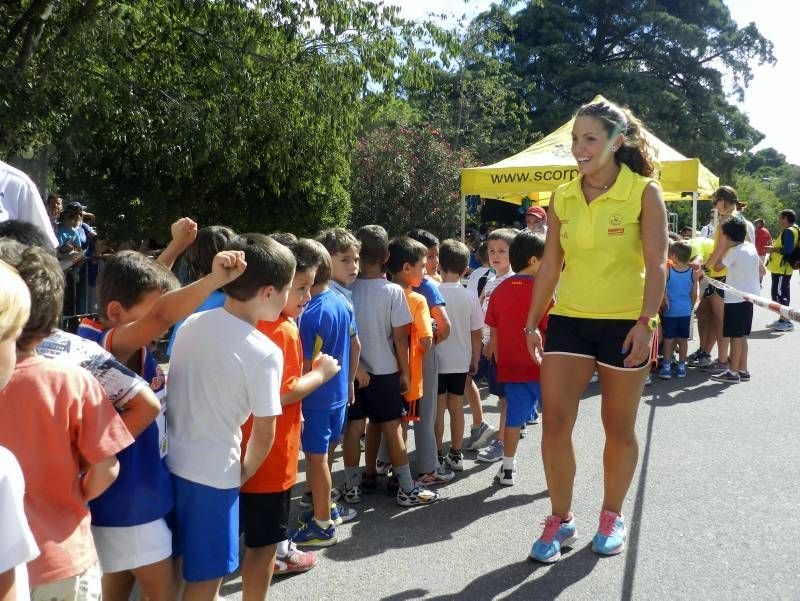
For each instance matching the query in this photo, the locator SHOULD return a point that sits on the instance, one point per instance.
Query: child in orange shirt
(77, 435)
(406, 265)
(264, 498)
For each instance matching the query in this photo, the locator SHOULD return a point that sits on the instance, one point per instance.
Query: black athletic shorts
(264, 517)
(712, 289)
(452, 383)
(598, 339)
(381, 401)
(737, 320)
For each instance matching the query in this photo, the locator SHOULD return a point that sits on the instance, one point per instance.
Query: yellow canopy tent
(539, 169)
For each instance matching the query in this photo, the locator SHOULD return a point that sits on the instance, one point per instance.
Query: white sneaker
(506, 477)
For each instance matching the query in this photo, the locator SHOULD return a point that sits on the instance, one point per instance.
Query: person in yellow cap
(608, 230)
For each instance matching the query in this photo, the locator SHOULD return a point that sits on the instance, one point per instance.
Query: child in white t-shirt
(224, 369)
(745, 271)
(458, 355)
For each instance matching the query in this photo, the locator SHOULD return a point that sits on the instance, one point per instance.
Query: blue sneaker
(681, 370)
(311, 535)
(610, 537)
(556, 535)
(339, 515)
(666, 370)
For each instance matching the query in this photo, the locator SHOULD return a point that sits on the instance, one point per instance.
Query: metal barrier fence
(79, 293)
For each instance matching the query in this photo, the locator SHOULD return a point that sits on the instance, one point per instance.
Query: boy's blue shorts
(521, 400)
(676, 327)
(321, 429)
(488, 369)
(206, 532)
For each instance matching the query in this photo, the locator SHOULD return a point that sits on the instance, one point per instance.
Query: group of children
(281, 345)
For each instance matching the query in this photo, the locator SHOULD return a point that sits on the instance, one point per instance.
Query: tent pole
(463, 218)
(694, 212)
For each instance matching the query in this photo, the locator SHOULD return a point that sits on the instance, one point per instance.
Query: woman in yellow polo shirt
(608, 230)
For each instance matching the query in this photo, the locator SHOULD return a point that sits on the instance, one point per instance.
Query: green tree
(407, 177)
(478, 100)
(663, 58)
(231, 112)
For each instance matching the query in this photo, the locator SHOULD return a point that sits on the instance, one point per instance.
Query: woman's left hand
(639, 342)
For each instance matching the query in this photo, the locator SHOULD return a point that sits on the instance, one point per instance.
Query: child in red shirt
(506, 317)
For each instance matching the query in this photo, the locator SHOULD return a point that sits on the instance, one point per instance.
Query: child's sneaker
(416, 496)
(610, 537)
(295, 561)
(492, 453)
(352, 494)
(648, 380)
(478, 437)
(311, 535)
(666, 370)
(455, 461)
(681, 369)
(744, 376)
(556, 535)
(439, 476)
(369, 483)
(382, 469)
(727, 376)
(505, 477)
(339, 515)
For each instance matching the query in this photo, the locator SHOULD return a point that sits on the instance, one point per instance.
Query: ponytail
(634, 152)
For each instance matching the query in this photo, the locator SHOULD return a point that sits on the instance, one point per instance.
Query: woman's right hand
(534, 343)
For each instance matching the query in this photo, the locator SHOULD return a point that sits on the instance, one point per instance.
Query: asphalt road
(712, 512)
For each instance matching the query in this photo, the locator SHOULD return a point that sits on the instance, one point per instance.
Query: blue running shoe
(610, 537)
(681, 371)
(339, 515)
(556, 535)
(311, 535)
(666, 370)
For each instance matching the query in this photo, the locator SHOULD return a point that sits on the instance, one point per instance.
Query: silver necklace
(592, 186)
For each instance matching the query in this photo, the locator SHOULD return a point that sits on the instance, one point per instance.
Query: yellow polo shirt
(603, 277)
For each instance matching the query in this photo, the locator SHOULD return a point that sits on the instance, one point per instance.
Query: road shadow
(402, 527)
(550, 581)
(696, 386)
(765, 334)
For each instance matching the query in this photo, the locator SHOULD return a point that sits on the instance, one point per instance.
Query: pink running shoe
(295, 561)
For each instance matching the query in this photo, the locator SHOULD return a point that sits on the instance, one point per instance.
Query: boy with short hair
(343, 248)
(66, 411)
(405, 265)
(327, 326)
(383, 320)
(680, 297)
(433, 471)
(264, 499)
(499, 246)
(506, 317)
(138, 300)
(744, 274)
(457, 356)
(224, 369)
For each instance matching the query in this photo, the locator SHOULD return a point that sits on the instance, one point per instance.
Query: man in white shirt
(19, 199)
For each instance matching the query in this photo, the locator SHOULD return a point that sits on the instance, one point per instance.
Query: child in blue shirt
(680, 297)
(327, 326)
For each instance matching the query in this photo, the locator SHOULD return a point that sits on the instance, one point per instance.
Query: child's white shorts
(132, 547)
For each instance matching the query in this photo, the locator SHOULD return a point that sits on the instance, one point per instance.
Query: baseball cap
(538, 211)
